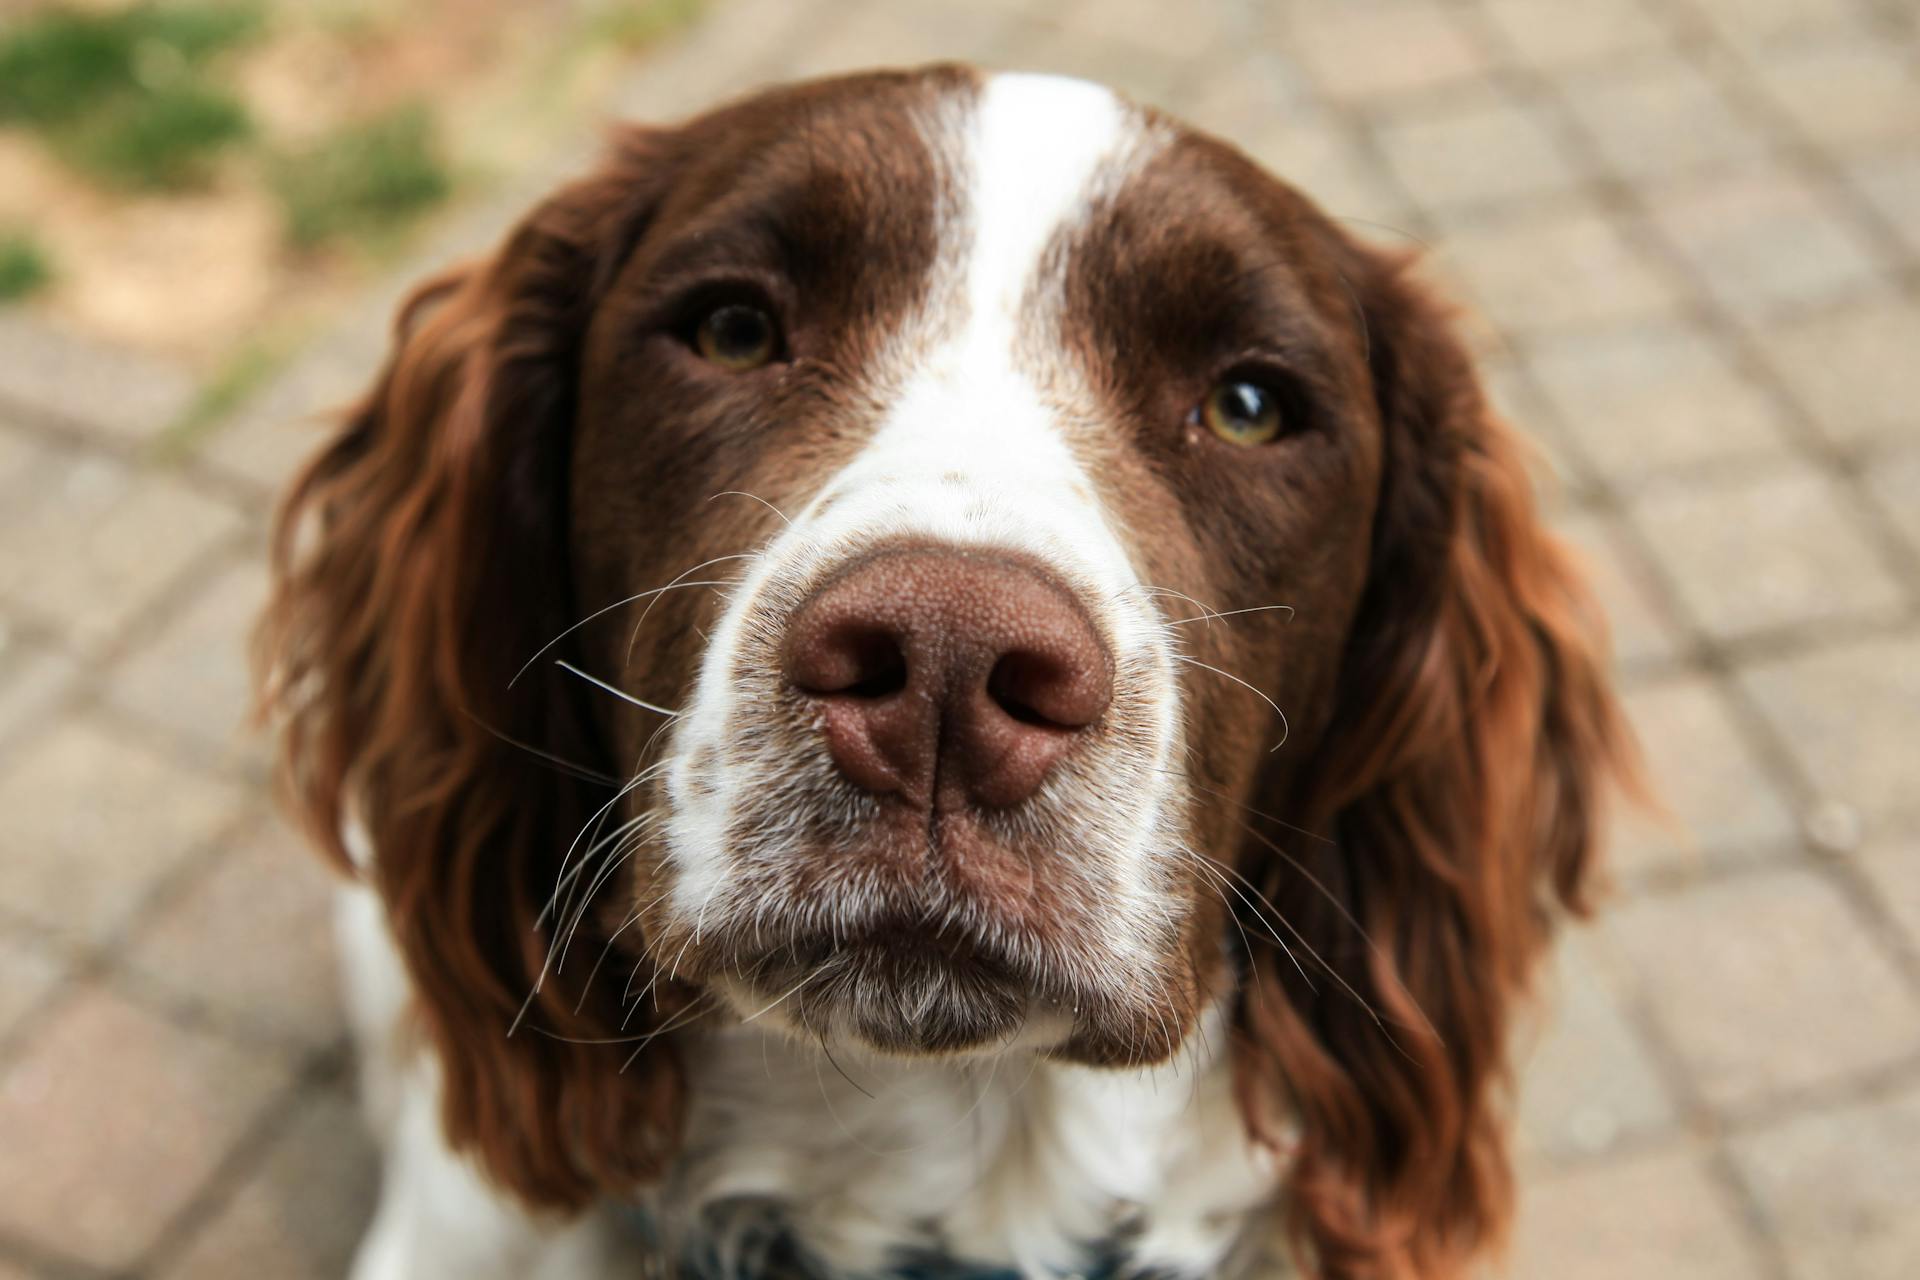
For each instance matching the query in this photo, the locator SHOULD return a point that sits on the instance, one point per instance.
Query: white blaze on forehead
(1036, 146)
(972, 448)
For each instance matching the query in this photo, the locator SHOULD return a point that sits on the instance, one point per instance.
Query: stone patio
(1689, 235)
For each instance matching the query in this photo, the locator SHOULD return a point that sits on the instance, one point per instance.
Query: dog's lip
(892, 938)
(898, 989)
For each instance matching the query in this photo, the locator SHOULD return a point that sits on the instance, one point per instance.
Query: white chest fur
(1008, 1160)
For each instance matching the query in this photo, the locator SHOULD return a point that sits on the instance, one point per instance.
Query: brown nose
(949, 678)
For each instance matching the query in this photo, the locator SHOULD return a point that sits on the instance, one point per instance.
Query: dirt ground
(197, 275)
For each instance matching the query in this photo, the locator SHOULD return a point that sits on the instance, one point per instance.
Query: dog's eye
(1243, 412)
(737, 336)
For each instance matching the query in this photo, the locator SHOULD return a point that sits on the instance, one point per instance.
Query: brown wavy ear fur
(1460, 786)
(418, 562)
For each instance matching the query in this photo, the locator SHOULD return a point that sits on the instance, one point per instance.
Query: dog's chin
(898, 995)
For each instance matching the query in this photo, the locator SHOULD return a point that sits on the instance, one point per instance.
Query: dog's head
(941, 562)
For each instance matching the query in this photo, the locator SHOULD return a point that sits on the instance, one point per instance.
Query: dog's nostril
(1035, 690)
(880, 666)
(853, 661)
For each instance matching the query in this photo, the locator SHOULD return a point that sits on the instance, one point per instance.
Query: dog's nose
(948, 677)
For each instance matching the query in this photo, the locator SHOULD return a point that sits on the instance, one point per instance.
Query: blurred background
(1687, 237)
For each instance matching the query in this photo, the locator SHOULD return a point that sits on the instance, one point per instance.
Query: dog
(931, 674)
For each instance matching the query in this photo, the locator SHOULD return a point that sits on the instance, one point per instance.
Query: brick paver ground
(1688, 232)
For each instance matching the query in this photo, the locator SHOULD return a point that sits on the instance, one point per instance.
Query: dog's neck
(1012, 1162)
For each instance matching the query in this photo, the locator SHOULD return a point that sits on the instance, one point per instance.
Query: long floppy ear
(419, 560)
(1459, 788)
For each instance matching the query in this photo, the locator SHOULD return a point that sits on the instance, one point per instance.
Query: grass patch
(24, 268)
(166, 140)
(127, 95)
(365, 180)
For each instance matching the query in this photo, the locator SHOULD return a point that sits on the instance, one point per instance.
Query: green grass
(365, 180)
(23, 266)
(166, 140)
(128, 95)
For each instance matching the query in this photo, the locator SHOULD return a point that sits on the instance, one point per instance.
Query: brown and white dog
(932, 674)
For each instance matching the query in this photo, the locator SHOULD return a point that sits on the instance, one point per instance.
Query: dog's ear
(1459, 788)
(419, 561)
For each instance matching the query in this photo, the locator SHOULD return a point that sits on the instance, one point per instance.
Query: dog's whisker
(1286, 730)
(677, 583)
(636, 596)
(742, 493)
(619, 693)
(1222, 615)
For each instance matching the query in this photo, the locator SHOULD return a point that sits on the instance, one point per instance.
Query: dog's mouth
(901, 987)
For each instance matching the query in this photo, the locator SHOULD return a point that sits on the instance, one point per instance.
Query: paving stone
(193, 677)
(20, 455)
(1633, 113)
(1844, 88)
(93, 822)
(74, 380)
(252, 940)
(114, 1119)
(725, 50)
(267, 441)
(900, 34)
(1136, 73)
(1324, 163)
(1588, 1083)
(1245, 98)
(1853, 369)
(1782, 549)
(1654, 397)
(1766, 984)
(1146, 24)
(1847, 714)
(1652, 1214)
(1891, 865)
(1764, 243)
(1368, 50)
(1894, 478)
(1639, 627)
(94, 550)
(1560, 269)
(1558, 480)
(1752, 24)
(34, 678)
(302, 1214)
(1552, 35)
(1724, 808)
(1891, 184)
(28, 970)
(1480, 149)
(1840, 1187)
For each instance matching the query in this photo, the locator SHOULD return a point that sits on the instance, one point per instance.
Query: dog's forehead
(1036, 152)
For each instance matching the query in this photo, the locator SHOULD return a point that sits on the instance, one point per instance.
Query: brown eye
(737, 336)
(1242, 412)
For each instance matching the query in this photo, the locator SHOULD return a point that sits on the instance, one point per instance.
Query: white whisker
(622, 694)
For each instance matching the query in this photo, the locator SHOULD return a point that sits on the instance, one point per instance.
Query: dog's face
(983, 399)
(946, 562)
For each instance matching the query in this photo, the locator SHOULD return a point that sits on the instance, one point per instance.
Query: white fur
(1014, 1161)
